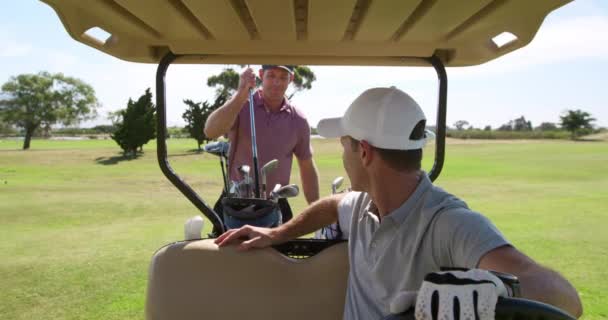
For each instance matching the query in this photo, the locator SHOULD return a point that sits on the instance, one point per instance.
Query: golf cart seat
(198, 280)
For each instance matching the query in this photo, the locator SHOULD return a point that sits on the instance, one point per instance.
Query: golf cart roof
(313, 32)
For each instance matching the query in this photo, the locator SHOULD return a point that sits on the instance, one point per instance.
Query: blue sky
(565, 67)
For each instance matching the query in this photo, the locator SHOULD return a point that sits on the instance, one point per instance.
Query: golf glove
(475, 290)
(473, 294)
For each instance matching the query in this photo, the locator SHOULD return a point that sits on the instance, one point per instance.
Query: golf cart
(303, 278)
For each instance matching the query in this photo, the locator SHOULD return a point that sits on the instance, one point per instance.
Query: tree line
(35, 103)
(577, 122)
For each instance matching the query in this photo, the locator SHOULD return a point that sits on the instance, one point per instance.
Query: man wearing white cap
(404, 229)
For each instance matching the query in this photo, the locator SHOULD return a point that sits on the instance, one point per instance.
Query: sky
(565, 67)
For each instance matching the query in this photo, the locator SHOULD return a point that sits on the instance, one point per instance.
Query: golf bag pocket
(254, 212)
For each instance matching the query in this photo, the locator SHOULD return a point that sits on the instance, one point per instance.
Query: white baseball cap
(384, 117)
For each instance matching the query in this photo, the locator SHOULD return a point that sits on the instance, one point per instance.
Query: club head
(336, 184)
(270, 165)
(244, 170)
(276, 187)
(218, 148)
(233, 190)
(288, 191)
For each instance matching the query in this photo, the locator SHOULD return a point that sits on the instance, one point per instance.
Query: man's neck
(390, 190)
(273, 105)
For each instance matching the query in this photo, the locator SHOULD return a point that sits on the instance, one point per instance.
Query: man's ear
(291, 77)
(365, 152)
(261, 73)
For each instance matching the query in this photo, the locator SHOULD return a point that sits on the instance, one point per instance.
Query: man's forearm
(310, 182)
(222, 119)
(319, 214)
(541, 284)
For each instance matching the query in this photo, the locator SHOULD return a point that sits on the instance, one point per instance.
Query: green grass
(79, 223)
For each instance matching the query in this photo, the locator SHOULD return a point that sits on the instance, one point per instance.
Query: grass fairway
(78, 223)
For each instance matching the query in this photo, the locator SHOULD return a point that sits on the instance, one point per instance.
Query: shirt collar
(259, 102)
(399, 214)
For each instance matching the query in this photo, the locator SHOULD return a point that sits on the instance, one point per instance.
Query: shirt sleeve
(348, 207)
(462, 237)
(303, 149)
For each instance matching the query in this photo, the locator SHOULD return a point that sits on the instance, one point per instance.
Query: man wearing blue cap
(281, 130)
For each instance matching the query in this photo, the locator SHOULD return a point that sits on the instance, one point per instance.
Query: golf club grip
(256, 177)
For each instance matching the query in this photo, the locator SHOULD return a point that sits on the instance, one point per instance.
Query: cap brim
(330, 128)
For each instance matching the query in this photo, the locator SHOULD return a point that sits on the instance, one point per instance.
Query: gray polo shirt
(432, 229)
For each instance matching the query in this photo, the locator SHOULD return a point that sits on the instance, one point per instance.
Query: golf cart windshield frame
(161, 134)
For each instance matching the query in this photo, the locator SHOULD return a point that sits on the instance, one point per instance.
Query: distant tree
(547, 126)
(460, 124)
(520, 124)
(104, 128)
(506, 127)
(195, 116)
(302, 79)
(6, 129)
(487, 128)
(227, 81)
(136, 124)
(576, 121)
(33, 101)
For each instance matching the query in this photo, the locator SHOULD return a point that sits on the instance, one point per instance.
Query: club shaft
(224, 175)
(254, 146)
(263, 185)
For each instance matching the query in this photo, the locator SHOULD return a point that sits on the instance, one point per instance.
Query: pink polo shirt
(279, 135)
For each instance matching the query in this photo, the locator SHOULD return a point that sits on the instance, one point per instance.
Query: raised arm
(537, 282)
(221, 120)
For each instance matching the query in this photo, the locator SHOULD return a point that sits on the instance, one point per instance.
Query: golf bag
(235, 205)
(238, 212)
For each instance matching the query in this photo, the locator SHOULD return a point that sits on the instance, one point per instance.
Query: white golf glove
(475, 291)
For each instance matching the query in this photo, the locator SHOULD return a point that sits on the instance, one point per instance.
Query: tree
(33, 101)
(460, 124)
(303, 78)
(6, 129)
(519, 124)
(135, 125)
(547, 126)
(195, 116)
(227, 81)
(576, 121)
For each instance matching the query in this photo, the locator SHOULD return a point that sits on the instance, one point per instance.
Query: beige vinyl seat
(197, 280)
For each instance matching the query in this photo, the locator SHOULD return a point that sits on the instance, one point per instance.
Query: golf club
(336, 184)
(245, 179)
(220, 149)
(254, 146)
(288, 191)
(268, 167)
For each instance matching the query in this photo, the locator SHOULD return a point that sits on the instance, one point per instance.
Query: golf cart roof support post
(161, 145)
(441, 116)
